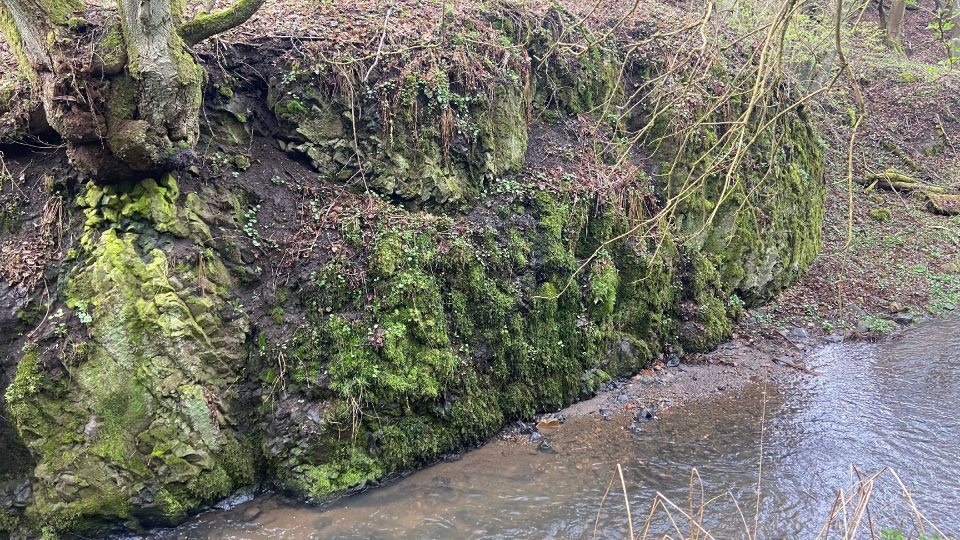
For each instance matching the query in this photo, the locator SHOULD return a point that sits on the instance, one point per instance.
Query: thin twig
(383, 35)
(626, 501)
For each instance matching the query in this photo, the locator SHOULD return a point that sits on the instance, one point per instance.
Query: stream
(874, 405)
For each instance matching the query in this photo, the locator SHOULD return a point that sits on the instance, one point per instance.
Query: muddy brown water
(874, 405)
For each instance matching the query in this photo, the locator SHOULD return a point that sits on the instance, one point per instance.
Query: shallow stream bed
(873, 405)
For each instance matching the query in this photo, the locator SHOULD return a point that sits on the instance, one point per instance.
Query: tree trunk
(954, 10)
(168, 86)
(122, 88)
(895, 22)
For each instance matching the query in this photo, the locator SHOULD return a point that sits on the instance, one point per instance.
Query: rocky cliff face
(359, 276)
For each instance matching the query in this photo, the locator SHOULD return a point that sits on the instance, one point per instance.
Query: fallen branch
(383, 35)
(911, 163)
(896, 181)
(786, 363)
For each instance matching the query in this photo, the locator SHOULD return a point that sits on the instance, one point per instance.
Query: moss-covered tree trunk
(121, 87)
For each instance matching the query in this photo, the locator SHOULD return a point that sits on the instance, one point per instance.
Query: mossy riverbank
(348, 285)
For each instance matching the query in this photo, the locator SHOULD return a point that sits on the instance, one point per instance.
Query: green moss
(123, 100)
(61, 11)
(197, 410)
(573, 83)
(428, 338)
(145, 403)
(76, 23)
(241, 162)
(350, 467)
(277, 315)
(211, 485)
(224, 90)
(170, 506)
(112, 44)
(908, 77)
(190, 73)
(881, 214)
(9, 521)
(452, 346)
(764, 230)
(150, 200)
(11, 36)
(603, 283)
(205, 25)
(439, 146)
(29, 379)
(411, 359)
(448, 344)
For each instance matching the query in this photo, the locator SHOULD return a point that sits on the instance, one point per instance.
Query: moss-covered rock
(548, 293)
(944, 204)
(435, 145)
(451, 338)
(761, 227)
(138, 429)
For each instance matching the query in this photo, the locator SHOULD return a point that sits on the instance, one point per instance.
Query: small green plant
(315, 211)
(736, 306)
(250, 228)
(278, 180)
(250, 224)
(944, 289)
(82, 313)
(507, 186)
(291, 76)
(762, 317)
(942, 28)
(878, 325)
